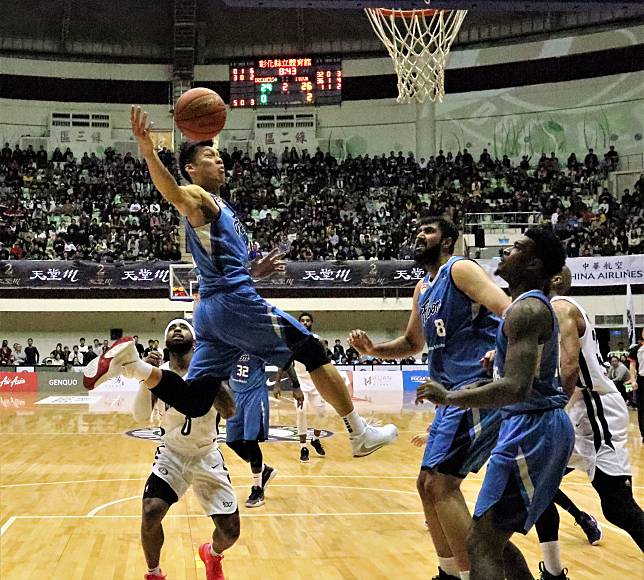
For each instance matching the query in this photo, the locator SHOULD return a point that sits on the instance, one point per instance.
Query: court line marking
(282, 476)
(7, 525)
(97, 509)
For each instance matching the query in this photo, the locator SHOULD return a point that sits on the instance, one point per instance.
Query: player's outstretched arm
(474, 281)
(527, 327)
(408, 344)
(569, 317)
(186, 199)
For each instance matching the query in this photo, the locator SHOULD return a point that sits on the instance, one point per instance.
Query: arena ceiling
(143, 29)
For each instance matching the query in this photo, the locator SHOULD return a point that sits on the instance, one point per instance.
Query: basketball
(200, 114)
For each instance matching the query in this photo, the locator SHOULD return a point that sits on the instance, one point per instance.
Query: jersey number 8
(440, 327)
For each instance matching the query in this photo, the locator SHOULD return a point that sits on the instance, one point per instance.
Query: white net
(418, 42)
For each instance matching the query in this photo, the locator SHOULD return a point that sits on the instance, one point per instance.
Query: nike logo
(271, 383)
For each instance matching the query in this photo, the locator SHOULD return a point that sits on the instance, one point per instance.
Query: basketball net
(418, 41)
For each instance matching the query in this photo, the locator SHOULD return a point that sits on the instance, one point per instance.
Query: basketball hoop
(418, 41)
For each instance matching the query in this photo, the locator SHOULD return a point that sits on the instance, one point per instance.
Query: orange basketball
(200, 114)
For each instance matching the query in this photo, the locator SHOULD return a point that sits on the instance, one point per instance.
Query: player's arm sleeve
(142, 405)
(290, 373)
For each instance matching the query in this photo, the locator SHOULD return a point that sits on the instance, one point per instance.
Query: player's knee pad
(312, 354)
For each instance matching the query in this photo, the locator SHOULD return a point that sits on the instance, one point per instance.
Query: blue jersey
(220, 251)
(547, 392)
(249, 372)
(458, 331)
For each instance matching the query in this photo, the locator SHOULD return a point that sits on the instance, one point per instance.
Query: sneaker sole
(374, 449)
(103, 364)
(271, 477)
(254, 505)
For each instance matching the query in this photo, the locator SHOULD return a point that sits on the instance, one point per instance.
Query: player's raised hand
(360, 340)
(268, 264)
(154, 358)
(141, 128)
(431, 391)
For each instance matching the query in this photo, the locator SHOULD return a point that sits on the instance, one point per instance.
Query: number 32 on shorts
(440, 327)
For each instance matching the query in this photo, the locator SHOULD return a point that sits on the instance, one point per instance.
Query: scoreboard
(278, 82)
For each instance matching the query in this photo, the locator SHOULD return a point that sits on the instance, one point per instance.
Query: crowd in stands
(79, 355)
(313, 206)
(59, 207)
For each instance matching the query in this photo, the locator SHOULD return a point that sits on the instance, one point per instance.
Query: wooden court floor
(70, 485)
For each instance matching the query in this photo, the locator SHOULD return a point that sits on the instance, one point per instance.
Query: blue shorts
(526, 468)
(231, 323)
(461, 440)
(250, 422)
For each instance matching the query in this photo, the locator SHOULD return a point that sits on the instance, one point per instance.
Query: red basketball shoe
(110, 364)
(214, 571)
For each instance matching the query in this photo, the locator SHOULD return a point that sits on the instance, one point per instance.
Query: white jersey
(184, 435)
(593, 375)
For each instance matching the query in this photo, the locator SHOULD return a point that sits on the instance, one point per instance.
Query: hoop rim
(396, 13)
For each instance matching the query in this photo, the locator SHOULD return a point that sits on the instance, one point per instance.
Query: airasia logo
(18, 382)
(11, 383)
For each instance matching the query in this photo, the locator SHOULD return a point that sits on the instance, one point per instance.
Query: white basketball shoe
(372, 438)
(111, 363)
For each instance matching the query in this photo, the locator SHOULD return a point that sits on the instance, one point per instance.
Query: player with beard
(455, 310)
(189, 456)
(536, 437)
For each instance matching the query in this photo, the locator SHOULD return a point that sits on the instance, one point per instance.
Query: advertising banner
(61, 383)
(378, 390)
(25, 382)
(34, 274)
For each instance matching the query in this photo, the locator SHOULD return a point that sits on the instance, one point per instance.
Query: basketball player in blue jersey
(249, 426)
(536, 437)
(454, 312)
(230, 317)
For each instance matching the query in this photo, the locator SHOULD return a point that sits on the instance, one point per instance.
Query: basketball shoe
(214, 571)
(111, 363)
(160, 576)
(256, 497)
(315, 443)
(268, 474)
(304, 454)
(591, 528)
(372, 438)
(545, 575)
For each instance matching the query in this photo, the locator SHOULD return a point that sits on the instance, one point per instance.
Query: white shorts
(207, 474)
(601, 428)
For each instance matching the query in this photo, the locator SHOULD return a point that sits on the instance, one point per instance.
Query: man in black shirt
(33, 356)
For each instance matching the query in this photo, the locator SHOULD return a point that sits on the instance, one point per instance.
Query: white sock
(138, 370)
(302, 444)
(354, 423)
(257, 478)
(213, 552)
(551, 557)
(156, 570)
(448, 565)
(464, 575)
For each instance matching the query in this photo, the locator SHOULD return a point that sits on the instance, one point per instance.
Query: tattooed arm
(527, 327)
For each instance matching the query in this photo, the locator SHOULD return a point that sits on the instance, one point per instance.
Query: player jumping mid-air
(231, 317)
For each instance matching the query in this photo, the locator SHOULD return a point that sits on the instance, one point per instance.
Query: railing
(632, 162)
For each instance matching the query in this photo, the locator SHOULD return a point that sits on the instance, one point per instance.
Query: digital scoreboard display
(279, 82)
